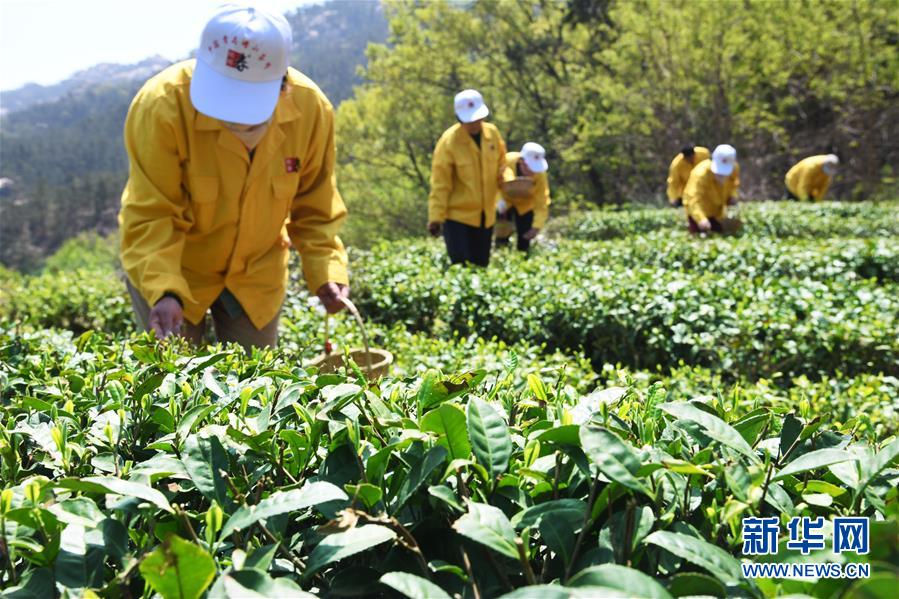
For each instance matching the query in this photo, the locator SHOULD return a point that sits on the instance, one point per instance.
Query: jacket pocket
(203, 201)
(284, 189)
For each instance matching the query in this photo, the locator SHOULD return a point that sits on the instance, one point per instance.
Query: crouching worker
(711, 188)
(231, 162)
(809, 179)
(525, 194)
(679, 172)
(466, 173)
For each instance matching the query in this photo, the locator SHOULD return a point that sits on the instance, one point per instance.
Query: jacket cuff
(325, 272)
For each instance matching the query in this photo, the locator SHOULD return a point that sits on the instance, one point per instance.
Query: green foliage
(108, 488)
(614, 89)
(78, 300)
(747, 308)
(86, 251)
(763, 219)
(494, 455)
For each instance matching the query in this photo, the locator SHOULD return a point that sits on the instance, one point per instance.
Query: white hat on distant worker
(469, 106)
(534, 156)
(724, 158)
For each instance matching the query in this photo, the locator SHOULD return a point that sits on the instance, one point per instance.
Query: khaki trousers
(227, 328)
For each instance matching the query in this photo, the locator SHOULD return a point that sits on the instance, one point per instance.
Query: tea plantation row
(129, 467)
(593, 421)
(796, 309)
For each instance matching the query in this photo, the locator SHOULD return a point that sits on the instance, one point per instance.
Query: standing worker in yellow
(711, 188)
(231, 161)
(810, 178)
(679, 171)
(527, 205)
(466, 173)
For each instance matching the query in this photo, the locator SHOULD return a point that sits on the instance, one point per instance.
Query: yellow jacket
(465, 179)
(198, 216)
(538, 201)
(807, 179)
(704, 196)
(679, 172)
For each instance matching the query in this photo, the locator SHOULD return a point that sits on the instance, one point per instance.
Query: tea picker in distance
(466, 173)
(810, 178)
(711, 188)
(231, 159)
(679, 171)
(525, 194)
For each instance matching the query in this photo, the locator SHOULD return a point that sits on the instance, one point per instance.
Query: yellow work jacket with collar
(465, 179)
(807, 179)
(679, 172)
(538, 200)
(704, 196)
(198, 215)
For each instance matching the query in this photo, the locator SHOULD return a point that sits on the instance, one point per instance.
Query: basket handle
(351, 307)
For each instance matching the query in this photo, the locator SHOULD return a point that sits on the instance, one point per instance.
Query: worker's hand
(434, 229)
(731, 201)
(531, 233)
(704, 225)
(166, 318)
(330, 294)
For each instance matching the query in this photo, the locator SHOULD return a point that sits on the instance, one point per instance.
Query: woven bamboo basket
(503, 228)
(373, 362)
(520, 187)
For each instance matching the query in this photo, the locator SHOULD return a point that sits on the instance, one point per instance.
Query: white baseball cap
(242, 58)
(831, 161)
(469, 106)
(534, 156)
(724, 158)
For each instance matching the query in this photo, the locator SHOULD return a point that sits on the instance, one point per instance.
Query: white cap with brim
(242, 58)
(534, 156)
(724, 158)
(469, 106)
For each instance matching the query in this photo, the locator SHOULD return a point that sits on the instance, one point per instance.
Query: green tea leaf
(570, 510)
(282, 502)
(489, 436)
(178, 569)
(615, 458)
(814, 460)
(882, 459)
(336, 547)
(368, 493)
(253, 584)
(116, 486)
(414, 587)
(713, 426)
(698, 552)
(489, 526)
(633, 582)
(687, 584)
(558, 534)
(205, 459)
(448, 421)
(418, 474)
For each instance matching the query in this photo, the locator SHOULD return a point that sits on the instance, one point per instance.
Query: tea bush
(768, 219)
(595, 420)
(732, 312)
(133, 467)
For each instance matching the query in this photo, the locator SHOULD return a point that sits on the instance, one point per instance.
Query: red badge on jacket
(291, 165)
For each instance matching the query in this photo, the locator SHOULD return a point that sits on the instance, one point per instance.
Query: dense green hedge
(132, 468)
(769, 219)
(739, 320)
